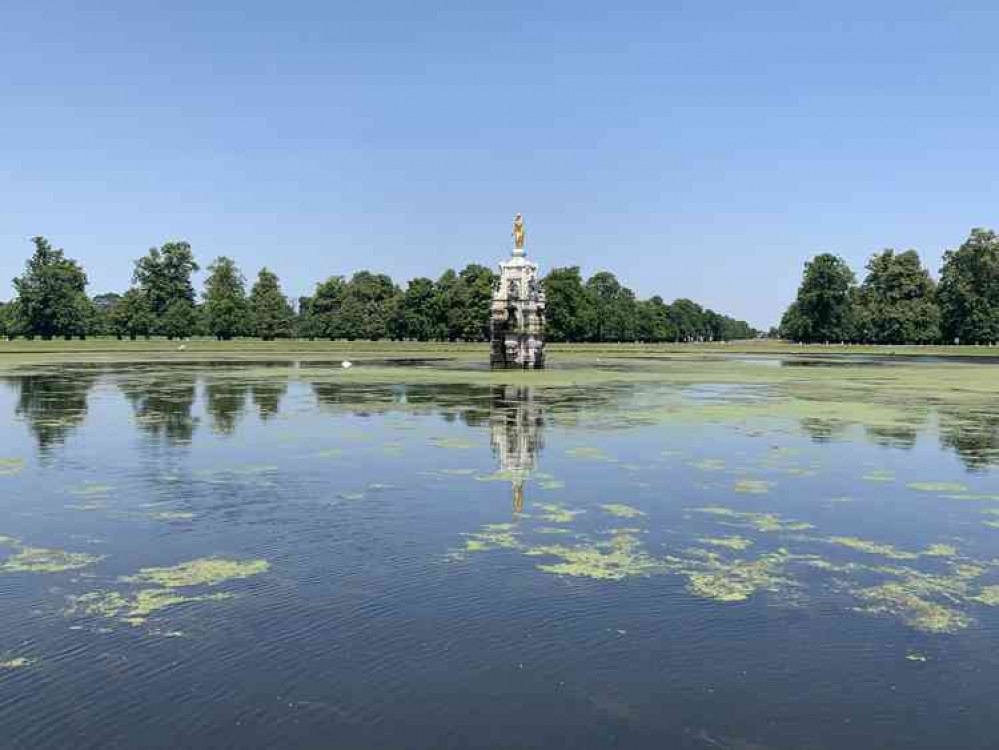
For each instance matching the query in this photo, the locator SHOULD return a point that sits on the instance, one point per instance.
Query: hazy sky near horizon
(697, 149)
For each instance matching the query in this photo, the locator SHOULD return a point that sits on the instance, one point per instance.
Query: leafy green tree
(164, 275)
(478, 281)
(179, 321)
(969, 290)
(896, 304)
(225, 299)
(366, 306)
(614, 314)
(52, 298)
(271, 312)
(822, 311)
(450, 306)
(569, 312)
(687, 318)
(417, 311)
(306, 323)
(132, 316)
(653, 321)
(324, 308)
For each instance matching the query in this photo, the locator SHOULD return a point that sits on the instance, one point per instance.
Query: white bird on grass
(182, 347)
(346, 364)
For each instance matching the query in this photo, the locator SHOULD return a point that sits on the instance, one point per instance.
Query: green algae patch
(209, 571)
(879, 475)
(987, 595)
(485, 540)
(897, 600)
(89, 490)
(458, 472)
(452, 443)
(753, 486)
(134, 609)
(941, 550)
(873, 548)
(937, 487)
(19, 662)
(612, 560)
(758, 521)
(42, 560)
(728, 542)
(172, 515)
(622, 511)
(350, 495)
(9, 541)
(553, 513)
(587, 453)
(986, 498)
(551, 485)
(737, 580)
(709, 464)
(551, 530)
(10, 466)
(917, 657)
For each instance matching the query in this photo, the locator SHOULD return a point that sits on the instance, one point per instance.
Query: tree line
(52, 302)
(898, 301)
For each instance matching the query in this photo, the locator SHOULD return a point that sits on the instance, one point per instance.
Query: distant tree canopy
(898, 302)
(162, 301)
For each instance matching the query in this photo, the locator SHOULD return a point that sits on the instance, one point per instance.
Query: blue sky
(699, 149)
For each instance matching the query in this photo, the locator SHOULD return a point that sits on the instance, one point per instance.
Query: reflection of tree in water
(162, 405)
(266, 396)
(53, 405)
(973, 433)
(467, 403)
(225, 402)
(516, 423)
(902, 437)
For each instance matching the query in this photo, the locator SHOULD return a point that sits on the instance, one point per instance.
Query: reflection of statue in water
(515, 432)
(518, 232)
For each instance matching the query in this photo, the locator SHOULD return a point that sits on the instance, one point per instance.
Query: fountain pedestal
(517, 322)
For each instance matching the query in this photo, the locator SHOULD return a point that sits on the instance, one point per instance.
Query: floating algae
(622, 511)
(551, 484)
(937, 486)
(136, 608)
(41, 560)
(162, 592)
(19, 662)
(88, 490)
(711, 577)
(897, 600)
(499, 537)
(458, 472)
(587, 453)
(753, 486)
(209, 571)
(10, 466)
(941, 550)
(350, 495)
(729, 542)
(880, 475)
(872, 548)
(987, 595)
(612, 560)
(709, 464)
(558, 513)
(452, 443)
(551, 530)
(758, 521)
(172, 515)
(917, 657)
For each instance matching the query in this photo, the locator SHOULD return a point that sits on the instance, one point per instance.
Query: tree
(179, 320)
(270, 310)
(614, 315)
(324, 308)
(822, 310)
(225, 299)
(478, 282)
(366, 307)
(969, 290)
(896, 304)
(450, 306)
(164, 275)
(569, 312)
(52, 297)
(687, 318)
(653, 322)
(132, 316)
(416, 311)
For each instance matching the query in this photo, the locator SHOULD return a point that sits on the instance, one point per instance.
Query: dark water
(391, 614)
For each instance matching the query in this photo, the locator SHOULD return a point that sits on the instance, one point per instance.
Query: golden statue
(518, 232)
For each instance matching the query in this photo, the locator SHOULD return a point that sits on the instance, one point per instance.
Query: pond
(643, 553)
